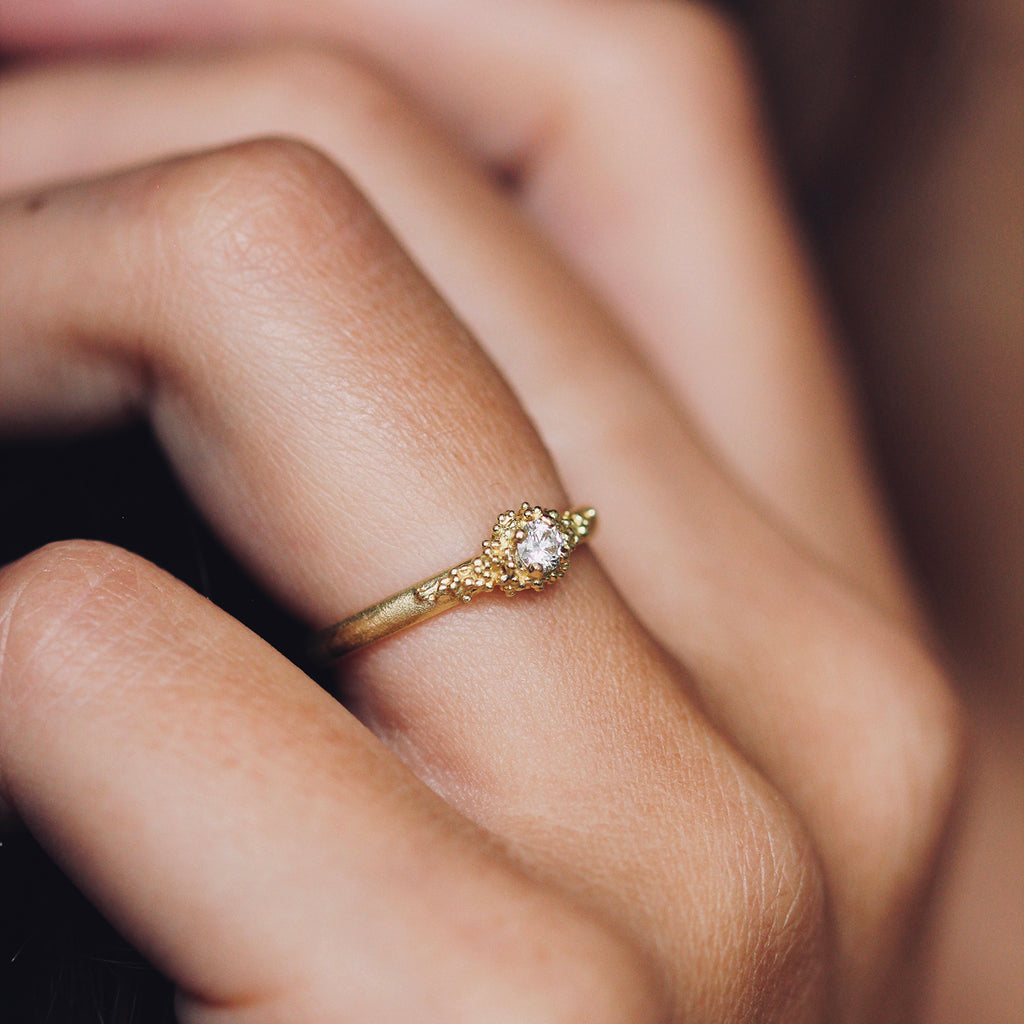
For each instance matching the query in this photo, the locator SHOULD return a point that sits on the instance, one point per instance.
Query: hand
(720, 804)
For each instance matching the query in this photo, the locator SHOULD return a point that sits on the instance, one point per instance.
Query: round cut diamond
(543, 545)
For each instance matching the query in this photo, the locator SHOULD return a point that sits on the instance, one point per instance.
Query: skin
(754, 727)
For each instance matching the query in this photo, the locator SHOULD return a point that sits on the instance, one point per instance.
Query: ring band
(528, 548)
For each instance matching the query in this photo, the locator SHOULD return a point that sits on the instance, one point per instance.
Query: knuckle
(918, 774)
(260, 219)
(682, 54)
(897, 774)
(318, 93)
(772, 911)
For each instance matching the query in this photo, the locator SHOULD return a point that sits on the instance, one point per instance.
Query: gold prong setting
(529, 547)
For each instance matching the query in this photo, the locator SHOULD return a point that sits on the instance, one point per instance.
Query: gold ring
(528, 548)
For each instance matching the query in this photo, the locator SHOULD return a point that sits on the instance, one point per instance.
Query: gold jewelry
(527, 549)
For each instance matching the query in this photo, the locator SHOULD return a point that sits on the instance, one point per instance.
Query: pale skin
(707, 776)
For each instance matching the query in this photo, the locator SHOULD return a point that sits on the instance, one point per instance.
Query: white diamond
(543, 545)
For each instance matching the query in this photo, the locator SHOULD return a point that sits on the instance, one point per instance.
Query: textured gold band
(528, 548)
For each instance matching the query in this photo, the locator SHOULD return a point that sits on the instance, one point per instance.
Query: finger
(348, 439)
(257, 842)
(632, 133)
